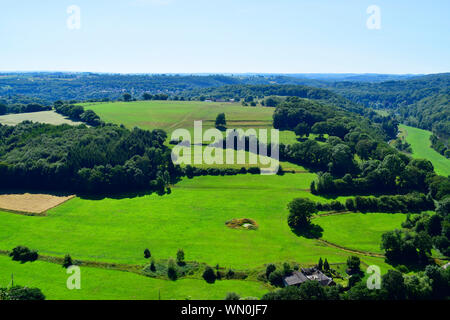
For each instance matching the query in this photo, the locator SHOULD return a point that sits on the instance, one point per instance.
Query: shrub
(269, 269)
(276, 278)
(209, 275)
(180, 257)
(67, 261)
(171, 270)
(147, 254)
(232, 296)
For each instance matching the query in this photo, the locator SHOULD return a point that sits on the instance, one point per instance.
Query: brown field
(33, 204)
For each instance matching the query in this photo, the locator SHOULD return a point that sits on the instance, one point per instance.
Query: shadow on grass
(312, 231)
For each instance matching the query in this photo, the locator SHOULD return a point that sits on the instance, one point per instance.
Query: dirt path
(364, 253)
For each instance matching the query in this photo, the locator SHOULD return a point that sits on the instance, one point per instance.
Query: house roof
(295, 278)
(308, 274)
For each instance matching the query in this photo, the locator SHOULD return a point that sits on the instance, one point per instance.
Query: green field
(50, 117)
(117, 285)
(192, 217)
(421, 147)
(171, 115)
(359, 231)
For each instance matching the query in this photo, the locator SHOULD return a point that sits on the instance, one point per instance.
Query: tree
(152, 266)
(276, 278)
(23, 254)
(147, 254)
(147, 96)
(393, 285)
(127, 97)
(67, 261)
(326, 265)
(180, 257)
(300, 212)
(353, 264)
(221, 120)
(320, 264)
(269, 269)
(3, 109)
(171, 270)
(21, 293)
(209, 275)
(302, 129)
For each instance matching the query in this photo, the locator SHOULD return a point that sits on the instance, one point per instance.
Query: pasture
(172, 115)
(360, 231)
(102, 284)
(421, 147)
(192, 217)
(50, 117)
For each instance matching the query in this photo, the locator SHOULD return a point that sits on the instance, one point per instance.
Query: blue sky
(231, 36)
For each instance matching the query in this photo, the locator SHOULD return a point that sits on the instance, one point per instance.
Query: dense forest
(421, 102)
(97, 160)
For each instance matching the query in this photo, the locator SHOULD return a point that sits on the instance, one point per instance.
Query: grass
(421, 147)
(171, 115)
(359, 231)
(116, 285)
(192, 217)
(50, 117)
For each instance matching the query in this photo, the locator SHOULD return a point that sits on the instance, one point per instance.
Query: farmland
(421, 147)
(116, 229)
(50, 117)
(172, 115)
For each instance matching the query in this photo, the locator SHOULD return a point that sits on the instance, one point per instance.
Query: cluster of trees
(77, 113)
(396, 173)
(21, 293)
(421, 233)
(439, 145)
(97, 160)
(22, 108)
(421, 102)
(433, 283)
(191, 171)
(23, 254)
(148, 96)
(413, 202)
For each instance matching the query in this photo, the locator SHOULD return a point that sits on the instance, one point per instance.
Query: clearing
(421, 147)
(50, 117)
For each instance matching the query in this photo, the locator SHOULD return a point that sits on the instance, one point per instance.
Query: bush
(171, 270)
(23, 254)
(180, 257)
(269, 269)
(276, 278)
(21, 293)
(147, 254)
(67, 261)
(232, 296)
(209, 275)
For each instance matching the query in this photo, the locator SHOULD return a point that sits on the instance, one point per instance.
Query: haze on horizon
(232, 37)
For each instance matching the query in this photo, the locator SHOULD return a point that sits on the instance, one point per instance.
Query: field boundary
(360, 252)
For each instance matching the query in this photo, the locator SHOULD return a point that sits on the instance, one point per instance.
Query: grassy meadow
(118, 285)
(421, 147)
(192, 217)
(172, 115)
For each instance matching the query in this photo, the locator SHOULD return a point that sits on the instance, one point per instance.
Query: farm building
(307, 274)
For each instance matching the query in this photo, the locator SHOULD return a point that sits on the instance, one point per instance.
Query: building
(307, 274)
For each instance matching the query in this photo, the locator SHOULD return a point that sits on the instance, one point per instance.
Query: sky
(226, 36)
